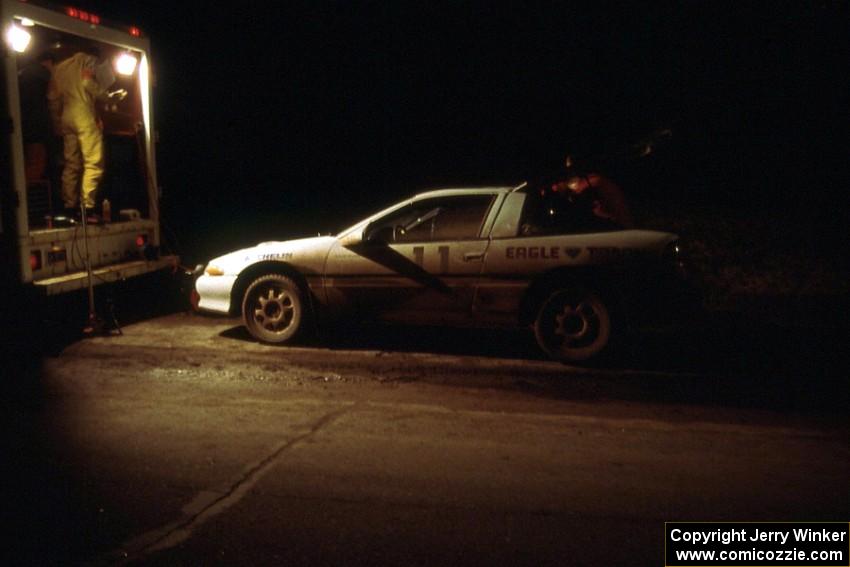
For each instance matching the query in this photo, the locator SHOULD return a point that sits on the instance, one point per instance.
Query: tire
(573, 325)
(273, 309)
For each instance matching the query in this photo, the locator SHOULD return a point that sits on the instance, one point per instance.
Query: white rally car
(521, 256)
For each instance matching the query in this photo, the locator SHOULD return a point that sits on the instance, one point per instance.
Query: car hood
(307, 252)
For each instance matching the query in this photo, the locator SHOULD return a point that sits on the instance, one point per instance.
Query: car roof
(462, 191)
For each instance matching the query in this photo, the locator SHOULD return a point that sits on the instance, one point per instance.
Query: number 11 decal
(443, 251)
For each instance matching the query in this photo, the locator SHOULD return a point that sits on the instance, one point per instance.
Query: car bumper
(214, 293)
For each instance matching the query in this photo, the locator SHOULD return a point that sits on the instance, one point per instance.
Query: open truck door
(42, 248)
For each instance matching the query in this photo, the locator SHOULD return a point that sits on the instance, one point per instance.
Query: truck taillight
(35, 260)
(82, 15)
(135, 32)
(146, 250)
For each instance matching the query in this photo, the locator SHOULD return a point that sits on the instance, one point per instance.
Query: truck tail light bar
(82, 15)
(94, 19)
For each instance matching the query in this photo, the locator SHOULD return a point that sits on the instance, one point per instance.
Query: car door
(417, 264)
(538, 230)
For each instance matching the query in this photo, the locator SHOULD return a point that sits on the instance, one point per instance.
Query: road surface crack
(208, 505)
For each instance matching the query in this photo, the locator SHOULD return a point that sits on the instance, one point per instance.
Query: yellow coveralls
(71, 97)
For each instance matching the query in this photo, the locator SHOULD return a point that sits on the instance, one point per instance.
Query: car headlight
(214, 271)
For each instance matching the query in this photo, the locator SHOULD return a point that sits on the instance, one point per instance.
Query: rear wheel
(573, 325)
(273, 309)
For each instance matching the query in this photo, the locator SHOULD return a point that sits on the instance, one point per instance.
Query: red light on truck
(82, 15)
(146, 250)
(135, 32)
(35, 260)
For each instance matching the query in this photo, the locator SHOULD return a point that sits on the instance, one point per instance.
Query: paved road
(182, 442)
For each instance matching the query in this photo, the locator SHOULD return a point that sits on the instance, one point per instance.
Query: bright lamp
(18, 38)
(125, 64)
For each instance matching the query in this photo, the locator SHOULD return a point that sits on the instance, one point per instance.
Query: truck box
(42, 246)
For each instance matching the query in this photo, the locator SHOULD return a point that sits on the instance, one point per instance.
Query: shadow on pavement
(724, 359)
(47, 325)
(48, 511)
(42, 516)
(734, 359)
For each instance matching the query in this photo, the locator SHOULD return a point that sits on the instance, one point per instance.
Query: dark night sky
(328, 110)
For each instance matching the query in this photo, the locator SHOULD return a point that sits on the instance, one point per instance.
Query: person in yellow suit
(71, 96)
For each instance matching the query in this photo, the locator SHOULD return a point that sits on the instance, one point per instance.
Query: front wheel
(573, 325)
(273, 309)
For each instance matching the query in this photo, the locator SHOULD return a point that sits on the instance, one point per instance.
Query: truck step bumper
(103, 274)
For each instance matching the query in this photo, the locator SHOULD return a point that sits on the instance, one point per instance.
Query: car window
(442, 218)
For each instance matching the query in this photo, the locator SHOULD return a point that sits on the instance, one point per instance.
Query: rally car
(497, 256)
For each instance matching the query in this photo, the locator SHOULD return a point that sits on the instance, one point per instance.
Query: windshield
(363, 223)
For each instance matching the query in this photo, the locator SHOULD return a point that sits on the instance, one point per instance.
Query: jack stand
(115, 326)
(94, 324)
